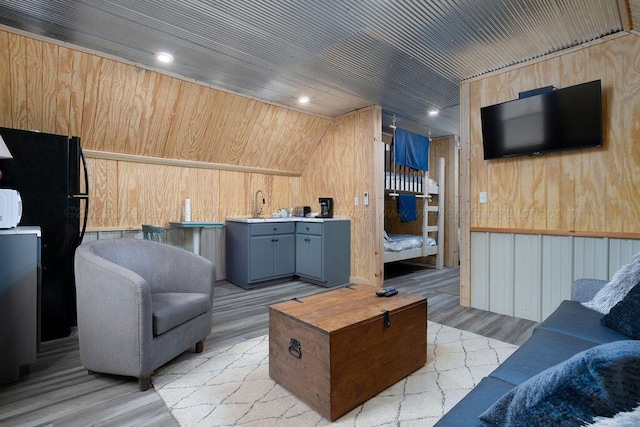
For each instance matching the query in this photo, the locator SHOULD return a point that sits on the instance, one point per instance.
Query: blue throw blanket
(407, 207)
(411, 150)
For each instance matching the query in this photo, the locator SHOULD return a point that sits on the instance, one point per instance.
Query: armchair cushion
(171, 309)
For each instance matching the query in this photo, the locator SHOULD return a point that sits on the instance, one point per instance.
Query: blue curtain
(407, 207)
(412, 150)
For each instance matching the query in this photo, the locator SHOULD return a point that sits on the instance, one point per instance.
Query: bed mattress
(401, 242)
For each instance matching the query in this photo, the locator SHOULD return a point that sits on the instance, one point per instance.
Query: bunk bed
(405, 180)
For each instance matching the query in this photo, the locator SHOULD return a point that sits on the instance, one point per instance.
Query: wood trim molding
(625, 15)
(183, 163)
(612, 235)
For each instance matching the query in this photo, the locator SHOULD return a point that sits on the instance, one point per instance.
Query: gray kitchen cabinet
(258, 253)
(323, 252)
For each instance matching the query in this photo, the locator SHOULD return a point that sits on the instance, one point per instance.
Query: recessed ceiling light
(434, 112)
(165, 57)
(303, 100)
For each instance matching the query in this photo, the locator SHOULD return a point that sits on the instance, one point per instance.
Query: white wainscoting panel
(501, 273)
(591, 257)
(557, 272)
(528, 276)
(527, 281)
(480, 271)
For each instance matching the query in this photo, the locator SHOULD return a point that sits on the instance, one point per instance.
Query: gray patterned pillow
(624, 317)
(600, 381)
(614, 291)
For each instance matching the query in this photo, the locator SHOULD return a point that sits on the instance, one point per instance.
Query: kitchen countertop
(287, 219)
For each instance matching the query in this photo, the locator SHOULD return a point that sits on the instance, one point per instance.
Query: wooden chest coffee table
(337, 349)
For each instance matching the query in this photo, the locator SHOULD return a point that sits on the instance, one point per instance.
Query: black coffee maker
(326, 207)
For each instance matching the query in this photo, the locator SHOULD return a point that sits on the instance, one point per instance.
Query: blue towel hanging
(407, 207)
(411, 150)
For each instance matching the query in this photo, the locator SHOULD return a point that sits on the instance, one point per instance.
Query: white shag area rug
(231, 386)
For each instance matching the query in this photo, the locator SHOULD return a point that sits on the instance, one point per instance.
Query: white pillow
(613, 292)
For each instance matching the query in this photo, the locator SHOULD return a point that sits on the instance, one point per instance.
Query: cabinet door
(309, 256)
(284, 255)
(261, 258)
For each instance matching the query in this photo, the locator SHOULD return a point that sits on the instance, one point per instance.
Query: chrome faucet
(257, 211)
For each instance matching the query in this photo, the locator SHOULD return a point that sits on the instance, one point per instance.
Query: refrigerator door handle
(83, 196)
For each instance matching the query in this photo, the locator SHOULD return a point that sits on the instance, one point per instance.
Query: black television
(554, 120)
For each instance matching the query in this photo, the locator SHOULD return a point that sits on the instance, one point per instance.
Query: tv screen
(561, 119)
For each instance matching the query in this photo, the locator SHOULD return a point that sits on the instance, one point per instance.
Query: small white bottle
(187, 210)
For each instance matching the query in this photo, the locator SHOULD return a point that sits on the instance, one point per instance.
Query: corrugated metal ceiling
(406, 55)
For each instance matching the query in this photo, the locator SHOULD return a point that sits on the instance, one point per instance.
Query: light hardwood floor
(58, 391)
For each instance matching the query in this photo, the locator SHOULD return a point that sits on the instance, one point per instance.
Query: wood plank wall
(345, 166)
(154, 140)
(589, 192)
(243, 144)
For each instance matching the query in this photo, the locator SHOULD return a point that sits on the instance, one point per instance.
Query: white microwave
(10, 208)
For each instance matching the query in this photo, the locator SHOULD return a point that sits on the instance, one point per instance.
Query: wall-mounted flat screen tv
(559, 119)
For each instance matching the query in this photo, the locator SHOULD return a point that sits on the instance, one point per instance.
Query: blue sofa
(570, 329)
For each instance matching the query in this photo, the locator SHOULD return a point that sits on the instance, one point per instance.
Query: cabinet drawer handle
(275, 228)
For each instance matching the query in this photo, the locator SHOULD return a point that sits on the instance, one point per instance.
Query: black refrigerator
(45, 170)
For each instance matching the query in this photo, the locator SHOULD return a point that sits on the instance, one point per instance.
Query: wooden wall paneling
(187, 135)
(58, 88)
(527, 281)
(92, 105)
(332, 172)
(621, 111)
(121, 107)
(141, 110)
(479, 269)
(366, 238)
(5, 80)
(103, 193)
(78, 88)
(242, 119)
(591, 257)
(376, 200)
(255, 145)
(162, 104)
(557, 272)
(18, 67)
(465, 207)
(501, 273)
(472, 144)
(224, 109)
(34, 89)
(584, 190)
(235, 194)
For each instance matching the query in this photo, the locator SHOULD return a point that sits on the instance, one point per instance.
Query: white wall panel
(527, 276)
(480, 271)
(501, 270)
(591, 258)
(621, 251)
(557, 272)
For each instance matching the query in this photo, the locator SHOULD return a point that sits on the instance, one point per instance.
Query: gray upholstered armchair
(140, 304)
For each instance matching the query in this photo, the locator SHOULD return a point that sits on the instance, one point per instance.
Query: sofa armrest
(584, 290)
